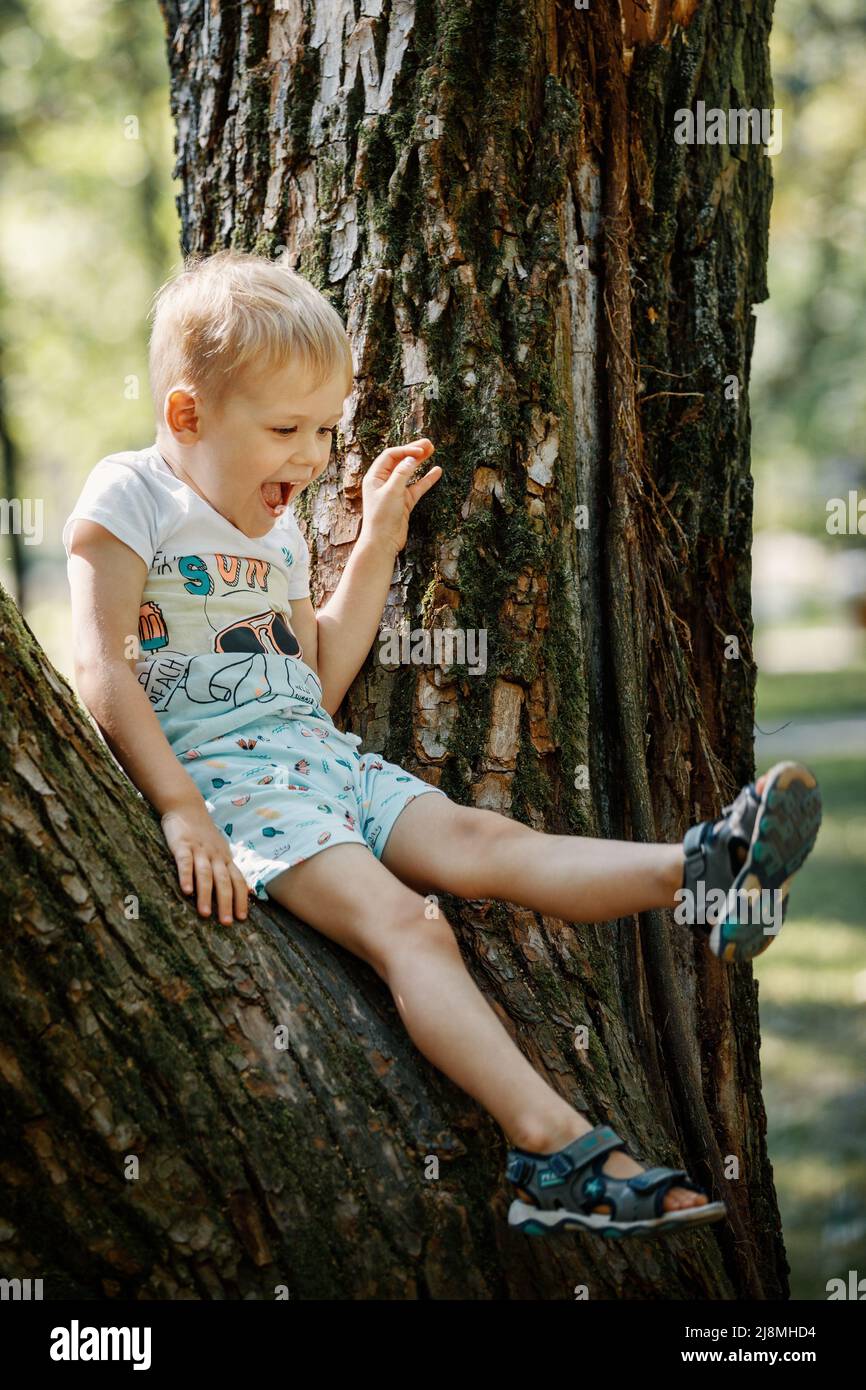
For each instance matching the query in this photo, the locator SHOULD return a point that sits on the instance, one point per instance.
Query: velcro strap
(580, 1151)
(645, 1182)
(518, 1167)
(693, 845)
(561, 1164)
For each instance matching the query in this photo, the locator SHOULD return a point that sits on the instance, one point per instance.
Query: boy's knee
(418, 925)
(482, 830)
(423, 919)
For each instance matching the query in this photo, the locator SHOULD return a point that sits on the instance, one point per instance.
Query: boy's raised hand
(389, 496)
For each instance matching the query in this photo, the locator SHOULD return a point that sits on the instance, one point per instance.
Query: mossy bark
(536, 276)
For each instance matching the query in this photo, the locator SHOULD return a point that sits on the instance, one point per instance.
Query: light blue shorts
(285, 786)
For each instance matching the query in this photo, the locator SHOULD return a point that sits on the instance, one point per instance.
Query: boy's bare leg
(436, 843)
(350, 896)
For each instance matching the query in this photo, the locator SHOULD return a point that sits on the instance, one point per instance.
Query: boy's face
(254, 451)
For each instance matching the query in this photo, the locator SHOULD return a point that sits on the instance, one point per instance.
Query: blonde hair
(224, 313)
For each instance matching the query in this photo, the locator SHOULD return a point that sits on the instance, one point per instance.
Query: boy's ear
(181, 412)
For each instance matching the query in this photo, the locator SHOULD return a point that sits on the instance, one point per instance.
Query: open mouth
(277, 496)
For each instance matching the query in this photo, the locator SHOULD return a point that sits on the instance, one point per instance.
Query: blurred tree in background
(808, 389)
(89, 231)
(809, 382)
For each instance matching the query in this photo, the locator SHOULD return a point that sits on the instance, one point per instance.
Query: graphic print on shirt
(258, 632)
(263, 632)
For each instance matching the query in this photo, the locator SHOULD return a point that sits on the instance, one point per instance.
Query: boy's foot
(738, 869)
(592, 1183)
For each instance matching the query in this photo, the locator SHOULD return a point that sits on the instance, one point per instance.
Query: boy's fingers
(184, 869)
(224, 890)
(403, 472)
(243, 899)
(424, 484)
(204, 877)
(242, 892)
(388, 460)
(417, 446)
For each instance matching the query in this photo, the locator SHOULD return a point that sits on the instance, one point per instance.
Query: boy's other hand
(203, 855)
(388, 495)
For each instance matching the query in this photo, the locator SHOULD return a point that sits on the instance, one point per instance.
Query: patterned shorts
(283, 788)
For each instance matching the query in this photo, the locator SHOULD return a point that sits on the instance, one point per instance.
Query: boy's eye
(290, 429)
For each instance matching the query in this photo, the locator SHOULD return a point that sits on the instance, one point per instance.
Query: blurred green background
(809, 597)
(89, 232)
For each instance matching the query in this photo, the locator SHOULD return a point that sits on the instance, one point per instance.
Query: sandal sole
(531, 1221)
(786, 827)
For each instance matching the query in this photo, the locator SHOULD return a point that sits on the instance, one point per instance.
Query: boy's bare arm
(107, 579)
(348, 623)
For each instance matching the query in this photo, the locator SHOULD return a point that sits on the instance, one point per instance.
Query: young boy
(214, 682)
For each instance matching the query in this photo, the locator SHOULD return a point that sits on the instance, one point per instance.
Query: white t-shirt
(215, 638)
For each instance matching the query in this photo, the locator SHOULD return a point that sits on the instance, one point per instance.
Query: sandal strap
(639, 1197)
(708, 846)
(693, 846)
(729, 827)
(741, 813)
(553, 1168)
(580, 1153)
(749, 792)
(654, 1177)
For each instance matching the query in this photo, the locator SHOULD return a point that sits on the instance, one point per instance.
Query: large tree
(539, 277)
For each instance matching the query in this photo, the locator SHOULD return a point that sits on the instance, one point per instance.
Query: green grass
(823, 694)
(813, 1027)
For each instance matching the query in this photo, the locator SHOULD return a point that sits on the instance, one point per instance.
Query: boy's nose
(311, 470)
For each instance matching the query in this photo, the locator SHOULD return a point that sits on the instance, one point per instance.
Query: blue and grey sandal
(741, 905)
(569, 1190)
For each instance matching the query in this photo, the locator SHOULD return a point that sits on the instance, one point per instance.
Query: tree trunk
(535, 275)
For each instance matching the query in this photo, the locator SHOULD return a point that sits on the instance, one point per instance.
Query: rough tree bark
(535, 275)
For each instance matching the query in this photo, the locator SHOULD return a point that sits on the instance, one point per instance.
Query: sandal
(741, 905)
(569, 1190)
